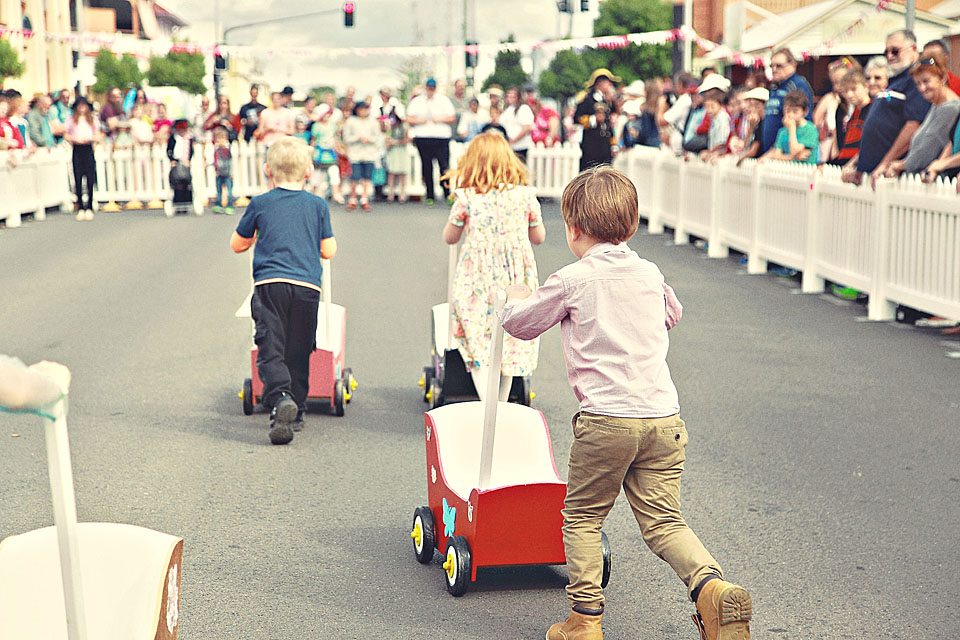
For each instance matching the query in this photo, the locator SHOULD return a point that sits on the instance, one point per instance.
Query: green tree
(10, 65)
(317, 92)
(565, 76)
(112, 71)
(178, 69)
(620, 17)
(507, 71)
(414, 70)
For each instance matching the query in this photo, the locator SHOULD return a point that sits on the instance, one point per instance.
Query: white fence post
(679, 235)
(810, 282)
(654, 224)
(755, 263)
(715, 248)
(878, 307)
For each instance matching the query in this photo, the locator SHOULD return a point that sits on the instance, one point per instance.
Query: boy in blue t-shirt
(797, 139)
(291, 229)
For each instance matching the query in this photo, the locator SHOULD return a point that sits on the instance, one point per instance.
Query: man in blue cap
(431, 116)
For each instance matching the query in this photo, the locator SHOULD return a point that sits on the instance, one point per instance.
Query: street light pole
(688, 24)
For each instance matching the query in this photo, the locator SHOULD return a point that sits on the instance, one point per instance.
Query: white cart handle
(493, 395)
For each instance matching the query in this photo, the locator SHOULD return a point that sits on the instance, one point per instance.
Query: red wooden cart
(331, 381)
(498, 508)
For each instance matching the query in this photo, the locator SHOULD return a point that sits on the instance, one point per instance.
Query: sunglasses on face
(896, 51)
(779, 65)
(926, 62)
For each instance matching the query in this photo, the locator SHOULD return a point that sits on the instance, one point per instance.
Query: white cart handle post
(492, 397)
(327, 288)
(453, 255)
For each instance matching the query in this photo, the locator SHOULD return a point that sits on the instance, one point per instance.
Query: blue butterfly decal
(449, 519)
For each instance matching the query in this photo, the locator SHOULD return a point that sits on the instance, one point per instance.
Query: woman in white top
(518, 120)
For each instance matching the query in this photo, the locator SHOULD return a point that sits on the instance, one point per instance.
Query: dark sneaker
(298, 423)
(282, 417)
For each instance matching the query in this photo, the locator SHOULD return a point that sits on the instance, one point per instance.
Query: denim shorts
(362, 171)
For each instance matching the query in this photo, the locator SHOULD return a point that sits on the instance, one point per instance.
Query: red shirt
(851, 132)
(10, 132)
(954, 83)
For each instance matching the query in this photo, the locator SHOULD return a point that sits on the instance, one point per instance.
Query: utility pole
(687, 44)
(911, 13)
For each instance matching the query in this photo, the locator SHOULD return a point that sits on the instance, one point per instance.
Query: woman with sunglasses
(930, 75)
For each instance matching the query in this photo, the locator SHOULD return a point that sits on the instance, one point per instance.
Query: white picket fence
(34, 184)
(900, 243)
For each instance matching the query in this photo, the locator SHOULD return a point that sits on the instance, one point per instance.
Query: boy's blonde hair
(602, 203)
(289, 159)
(488, 163)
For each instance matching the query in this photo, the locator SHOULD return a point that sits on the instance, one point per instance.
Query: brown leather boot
(577, 627)
(723, 611)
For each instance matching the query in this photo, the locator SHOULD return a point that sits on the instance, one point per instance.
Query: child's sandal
(365, 205)
(351, 205)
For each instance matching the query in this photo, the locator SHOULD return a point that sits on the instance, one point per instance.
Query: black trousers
(434, 149)
(286, 332)
(84, 167)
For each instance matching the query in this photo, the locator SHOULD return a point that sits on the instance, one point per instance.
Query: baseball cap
(714, 81)
(287, 90)
(431, 82)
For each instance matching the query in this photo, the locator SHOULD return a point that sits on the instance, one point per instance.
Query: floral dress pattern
(495, 253)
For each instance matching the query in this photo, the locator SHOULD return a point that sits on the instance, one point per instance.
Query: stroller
(180, 151)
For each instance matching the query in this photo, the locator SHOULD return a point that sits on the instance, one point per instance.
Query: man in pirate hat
(598, 99)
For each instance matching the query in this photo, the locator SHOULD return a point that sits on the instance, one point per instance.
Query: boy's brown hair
(602, 203)
(852, 79)
(796, 99)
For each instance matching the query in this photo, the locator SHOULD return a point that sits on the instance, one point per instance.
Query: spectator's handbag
(343, 162)
(324, 155)
(696, 143)
(379, 176)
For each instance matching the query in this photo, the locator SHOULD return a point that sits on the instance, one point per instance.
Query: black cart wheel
(246, 397)
(349, 383)
(424, 539)
(436, 394)
(338, 398)
(457, 566)
(607, 560)
(427, 380)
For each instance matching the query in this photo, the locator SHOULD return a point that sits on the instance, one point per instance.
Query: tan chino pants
(644, 456)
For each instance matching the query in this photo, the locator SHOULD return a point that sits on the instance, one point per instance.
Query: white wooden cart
(87, 581)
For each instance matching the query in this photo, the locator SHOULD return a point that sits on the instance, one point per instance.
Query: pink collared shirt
(614, 310)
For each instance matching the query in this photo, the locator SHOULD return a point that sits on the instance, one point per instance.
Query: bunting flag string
(121, 44)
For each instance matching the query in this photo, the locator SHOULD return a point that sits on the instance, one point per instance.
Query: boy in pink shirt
(614, 310)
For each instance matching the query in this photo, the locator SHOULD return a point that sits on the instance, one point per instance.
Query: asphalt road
(822, 472)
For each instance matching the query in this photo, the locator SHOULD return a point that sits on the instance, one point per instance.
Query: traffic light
(471, 58)
(348, 9)
(563, 6)
(584, 5)
(219, 62)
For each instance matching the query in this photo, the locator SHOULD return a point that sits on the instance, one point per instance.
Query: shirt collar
(606, 247)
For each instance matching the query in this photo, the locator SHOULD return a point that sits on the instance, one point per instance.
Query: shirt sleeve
(326, 229)
(248, 223)
(783, 140)
(458, 212)
(525, 116)
(534, 215)
(528, 318)
(673, 307)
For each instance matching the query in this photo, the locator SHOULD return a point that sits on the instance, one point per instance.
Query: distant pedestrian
(39, 123)
(593, 114)
(276, 121)
(223, 168)
(783, 66)
(82, 131)
(518, 120)
(494, 123)
(431, 117)
(250, 114)
(224, 118)
(361, 135)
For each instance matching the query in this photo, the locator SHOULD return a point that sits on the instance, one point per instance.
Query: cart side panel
(455, 517)
(518, 524)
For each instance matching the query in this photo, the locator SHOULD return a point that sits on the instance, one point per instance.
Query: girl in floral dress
(498, 215)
